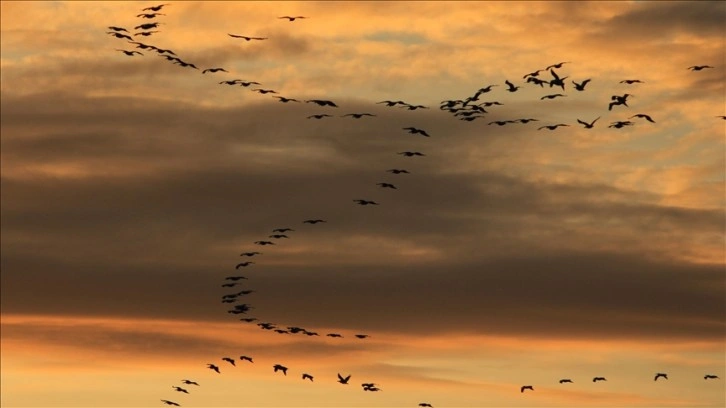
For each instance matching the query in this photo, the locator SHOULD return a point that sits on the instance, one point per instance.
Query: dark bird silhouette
(699, 67)
(149, 15)
(321, 102)
(290, 18)
(281, 331)
(264, 243)
(398, 171)
(148, 26)
(533, 74)
(486, 89)
(250, 253)
(243, 264)
(588, 125)
(285, 100)
(244, 307)
(118, 29)
(413, 131)
(248, 319)
(710, 377)
(334, 335)
(320, 116)
(313, 221)
(552, 127)
(596, 379)
(213, 367)
(631, 81)
(557, 81)
(309, 333)
(234, 278)
(229, 360)
(366, 202)
(620, 124)
(343, 380)
(425, 404)
(244, 37)
(143, 46)
(146, 33)
(371, 388)
(190, 382)
(156, 8)
(487, 104)
(413, 107)
(213, 70)
(278, 367)
(501, 122)
(180, 389)
(643, 116)
(167, 402)
(512, 87)
(526, 387)
(248, 83)
(307, 377)
(358, 115)
(246, 358)
(392, 103)
(228, 300)
(618, 100)
(362, 336)
(278, 236)
(537, 81)
(386, 185)
(185, 64)
(581, 86)
(526, 120)
(411, 154)
(553, 96)
(659, 375)
(119, 35)
(282, 230)
(565, 380)
(130, 53)
(558, 65)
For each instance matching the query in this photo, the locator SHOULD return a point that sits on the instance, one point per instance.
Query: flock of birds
(468, 109)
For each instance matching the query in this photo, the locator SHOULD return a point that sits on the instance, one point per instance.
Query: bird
(307, 377)
(362, 336)
(620, 124)
(413, 131)
(282, 230)
(411, 154)
(392, 103)
(213, 70)
(229, 360)
(710, 377)
(285, 100)
(321, 102)
(248, 319)
(588, 125)
(501, 122)
(213, 367)
(552, 127)
(278, 236)
(234, 278)
(246, 358)
(118, 29)
(130, 53)
(320, 116)
(180, 389)
(486, 89)
(250, 253)
(553, 96)
(414, 107)
(699, 67)
(596, 379)
(147, 26)
(264, 243)
(149, 15)
(643, 116)
(313, 221)
(558, 65)
(581, 86)
(557, 80)
(334, 335)
(190, 382)
(537, 81)
(386, 185)
(526, 120)
(371, 388)
(631, 81)
(366, 202)
(343, 380)
(119, 35)
(398, 171)
(290, 18)
(243, 264)
(167, 402)
(248, 83)
(278, 367)
(357, 115)
(533, 74)
(244, 37)
(281, 331)
(425, 404)
(526, 387)
(659, 375)
(512, 87)
(565, 380)
(146, 33)
(156, 8)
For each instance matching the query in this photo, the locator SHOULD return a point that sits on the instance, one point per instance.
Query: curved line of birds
(464, 109)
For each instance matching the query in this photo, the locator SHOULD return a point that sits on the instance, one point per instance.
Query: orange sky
(508, 256)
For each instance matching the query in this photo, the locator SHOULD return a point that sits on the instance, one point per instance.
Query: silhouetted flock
(466, 109)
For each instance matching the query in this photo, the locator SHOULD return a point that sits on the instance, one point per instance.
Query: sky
(507, 256)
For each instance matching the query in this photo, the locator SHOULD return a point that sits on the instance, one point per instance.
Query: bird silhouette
(392, 103)
(537, 81)
(246, 38)
(398, 171)
(190, 382)
(620, 124)
(362, 336)
(282, 230)
(425, 404)
(334, 335)
(213, 367)
(413, 131)
(290, 18)
(118, 29)
(307, 377)
(553, 96)
(234, 278)
(278, 236)
(557, 81)
(278, 367)
(130, 53)
(313, 221)
(246, 358)
(119, 35)
(366, 202)
(511, 86)
(264, 91)
(526, 387)
(411, 154)
(631, 81)
(659, 375)
(618, 100)
(180, 389)
(588, 125)
(285, 100)
(565, 380)
(699, 67)
(533, 74)
(357, 115)
(147, 26)
(248, 319)
(501, 122)
(710, 377)
(264, 243)
(596, 379)
(413, 107)
(343, 380)
(552, 127)
(643, 116)
(146, 33)
(243, 264)
(213, 70)
(581, 86)
(167, 402)
(248, 83)
(386, 185)
(250, 253)
(149, 15)
(321, 102)
(156, 8)
(229, 360)
(320, 116)
(558, 65)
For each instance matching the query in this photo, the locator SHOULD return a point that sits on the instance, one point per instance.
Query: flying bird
(147, 26)
(248, 319)
(264, 243)
(425, 404)
(146, 33)
(313, 221)
(565, 380)
(213, 367)
(243, 264)
(581, 86)
(557, 80)
(190, 382)
(248, 83)
(699, 67)
(307, 377)
(386, 185)
(321, 102)
(596, 379)
(279, 367)
(398, 171)
(631, 81)
(118, 29)
(213, 70)
(244, 37)
(643, 116)
(234, 278)
(620, 124)
(343, 380)
(659, 375)
(553, 96)
(246, 358)
(149, 15)
(290, 18)
(552, 127)
(362, 336)
(512, 87)
(588, 125)
(229, 360)
(278, 236)
(167, 402)
(357, 115)
(180, 389)
(282, 230)
(501, 122)
(366, 202)
(710, 377)
(411, 154)
(413, 107)
(250, 253)
(526, 387)
(526, 120)
(334, 335)
(618, 100)
(392, 103)
(119, 35)
(413, 131)
(130, 53)
(558, 65)
(285, 100)
(320, 116)
(537, 81)
(533, 74)
(156, 8)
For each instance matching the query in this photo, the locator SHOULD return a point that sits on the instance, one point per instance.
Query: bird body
(596, 379)
(552, 127)
(588, 125)
(246, 358)
(313, 221)
(246, 38)
(130, 53)
(306, 376)
(398, 171)
(321, 102)
(320, 116)
(358, 115)
(156, 8)
(581, 85)
(180, 389)
(553, 96)
(366, 202)
(710, 377)
(343, 380)
(565, 380)
(264, 243)
(411, 154)
(285, 100)
(213, 70)
(660, 375)
(387, 185)
(511, 86)
(643, 116)
(250, 253)
(526, 387)
(631, 81)
(291, 18)
(243, 264)
(167, 402)
(213, 367)
(190, 382)
(279, 367)
(699, 67)
(229, 360)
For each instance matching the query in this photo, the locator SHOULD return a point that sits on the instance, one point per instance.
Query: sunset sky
(509, 255)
